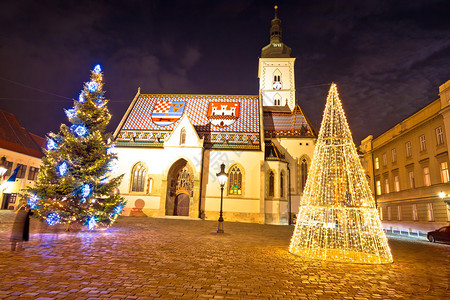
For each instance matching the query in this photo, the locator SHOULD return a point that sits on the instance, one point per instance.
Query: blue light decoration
(92, 86)
(100, 103)
(81, 98)
(70, 113)
(53, 219)
(63, 168)
(91, 223)
(104, 180)
(118, 209)
(86, 190)
(111, 150)
(51, 145)
(79, 129)
(113, 166)
(83, 200)
(97, 69)
(32, 202)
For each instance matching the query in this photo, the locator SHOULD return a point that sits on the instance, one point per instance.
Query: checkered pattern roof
(196, 109)
(292, 122)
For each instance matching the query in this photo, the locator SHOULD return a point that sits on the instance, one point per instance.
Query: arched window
(271, 184)
(138, 177)
(277, 99)
(183, 136)
(282, 185)
(235, 181)
(303, 173)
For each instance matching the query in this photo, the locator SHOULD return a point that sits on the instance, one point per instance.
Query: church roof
(224, 121)
(282, 122)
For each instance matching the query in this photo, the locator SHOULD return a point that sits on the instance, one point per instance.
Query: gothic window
(138, 177)
(282, 185)
(277, 99)
(276, 75)
(271, 184)
(183, 136)
(235, 181)
(304, 173)
(185, 180)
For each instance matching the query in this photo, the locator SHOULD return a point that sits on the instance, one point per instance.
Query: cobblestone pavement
(146, 258)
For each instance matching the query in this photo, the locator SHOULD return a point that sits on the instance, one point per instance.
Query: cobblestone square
(166, 258)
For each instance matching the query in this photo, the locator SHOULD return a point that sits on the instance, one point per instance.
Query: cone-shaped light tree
(76, 181)
(337, 218)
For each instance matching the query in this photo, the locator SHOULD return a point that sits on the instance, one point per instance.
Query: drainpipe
(201, 185)
(289, 195)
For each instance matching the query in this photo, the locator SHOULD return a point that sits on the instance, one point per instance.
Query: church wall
(241, 208)
(295, 149)
(158, 163)
(283, 66)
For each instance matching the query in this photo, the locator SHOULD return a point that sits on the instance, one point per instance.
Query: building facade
(20, 154)
(408, 167)
(171, 146)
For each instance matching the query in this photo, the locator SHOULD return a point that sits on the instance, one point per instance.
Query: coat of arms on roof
(223, 113)
(167, 112)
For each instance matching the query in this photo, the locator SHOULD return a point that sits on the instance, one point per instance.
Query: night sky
(388, 58)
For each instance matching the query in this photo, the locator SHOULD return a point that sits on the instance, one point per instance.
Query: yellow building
(408, 168)
(20, 154)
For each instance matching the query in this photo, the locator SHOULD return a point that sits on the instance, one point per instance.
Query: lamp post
(222, 177)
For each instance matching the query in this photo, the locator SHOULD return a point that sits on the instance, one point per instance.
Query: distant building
(408, 168)
(170, 148)
(20, 151)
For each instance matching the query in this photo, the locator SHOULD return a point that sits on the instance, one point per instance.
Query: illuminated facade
(22, 152)
(408, 167)
(171, 146)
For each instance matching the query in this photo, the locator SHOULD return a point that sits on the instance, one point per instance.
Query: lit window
(271, 184)
(399, 212)
(423, 145)
(22, 171)
(384, 160)
(439, 136)
(444, 172)
(150, 185)
(378, 187)
(33, 173)
(377, 164)
(183, 136)
(138, 178)
(411, 179)
(394, 155)
(426, 176)
(408, 149)
(304, 173)
(235, 181)
(282, 185)
(389, 213)
(396, 183)
(414, 211)
(430, 212)
(386, 185)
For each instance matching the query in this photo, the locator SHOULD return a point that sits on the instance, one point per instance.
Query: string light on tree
(337, 218)
(71, 186)
(33, 202)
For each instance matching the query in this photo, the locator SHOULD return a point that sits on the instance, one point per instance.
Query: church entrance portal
(180, 185)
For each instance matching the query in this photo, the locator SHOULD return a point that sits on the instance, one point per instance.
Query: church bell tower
(276, 70)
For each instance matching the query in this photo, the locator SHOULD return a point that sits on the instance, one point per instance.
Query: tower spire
(276, 48)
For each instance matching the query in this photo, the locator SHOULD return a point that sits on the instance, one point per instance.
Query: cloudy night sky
(388, 58)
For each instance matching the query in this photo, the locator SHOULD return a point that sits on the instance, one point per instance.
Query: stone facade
(408, 167)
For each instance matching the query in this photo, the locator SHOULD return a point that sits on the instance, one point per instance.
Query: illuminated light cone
(337, 218)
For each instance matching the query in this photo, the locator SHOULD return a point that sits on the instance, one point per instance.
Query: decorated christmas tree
(76, 182)
(337, 218)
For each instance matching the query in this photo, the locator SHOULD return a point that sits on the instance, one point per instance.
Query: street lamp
(222, 177)
(2, 166)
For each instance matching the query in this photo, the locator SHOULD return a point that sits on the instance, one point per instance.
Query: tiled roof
(16, 138)
(153, 116)
(282, 123)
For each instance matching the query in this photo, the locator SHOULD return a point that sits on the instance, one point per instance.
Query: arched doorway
(180, 189)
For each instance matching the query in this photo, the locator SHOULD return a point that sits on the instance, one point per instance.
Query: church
(171, 148)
